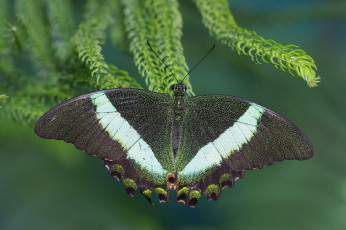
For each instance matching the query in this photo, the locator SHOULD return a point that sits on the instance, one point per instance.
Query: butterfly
(159, 142)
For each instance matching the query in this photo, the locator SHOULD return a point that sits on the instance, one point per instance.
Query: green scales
(156, 141)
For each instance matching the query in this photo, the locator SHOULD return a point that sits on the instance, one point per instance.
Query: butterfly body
(179, 98)
(196, 145)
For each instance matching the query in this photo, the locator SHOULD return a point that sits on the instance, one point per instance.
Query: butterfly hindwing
(130, 129)
(222, 136)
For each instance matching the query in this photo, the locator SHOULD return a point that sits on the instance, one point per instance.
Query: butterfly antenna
(161, 60)
(199, 62)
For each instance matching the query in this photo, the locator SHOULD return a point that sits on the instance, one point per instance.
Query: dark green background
(46, 184)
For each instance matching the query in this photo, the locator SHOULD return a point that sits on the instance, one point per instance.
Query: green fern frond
(118, 32)
(31, 101)
(88, 39)
(220, 22)
(10, 44)
(22, 111)
(61, 27)
(3, 99)
(14, 37)
(159, 22)
(3, 19)
(31, 14)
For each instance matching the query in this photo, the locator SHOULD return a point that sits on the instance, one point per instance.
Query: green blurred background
(47, 184)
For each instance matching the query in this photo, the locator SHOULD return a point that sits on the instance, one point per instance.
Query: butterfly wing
(129, 129)
(222, 136)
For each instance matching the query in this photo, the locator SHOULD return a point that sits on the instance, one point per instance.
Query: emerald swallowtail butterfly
(155, 141)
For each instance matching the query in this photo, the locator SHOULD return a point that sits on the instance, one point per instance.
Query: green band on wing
(129, 183)
(121, 131)
(161, 191)
(227, 143)
(195, 194)
(147, 193)
(213, 188)
(119, 169)
(225, 177)
(183, 191)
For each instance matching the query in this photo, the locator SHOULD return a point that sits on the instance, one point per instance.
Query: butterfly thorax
(178, 100)
(178, 111)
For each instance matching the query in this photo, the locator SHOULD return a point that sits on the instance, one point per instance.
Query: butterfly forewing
(222, 136)
(130, 129)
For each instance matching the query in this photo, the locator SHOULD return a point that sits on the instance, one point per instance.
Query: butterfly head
(179, 89)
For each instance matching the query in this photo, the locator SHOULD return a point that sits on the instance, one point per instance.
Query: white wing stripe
(120, 130)
(230, 141)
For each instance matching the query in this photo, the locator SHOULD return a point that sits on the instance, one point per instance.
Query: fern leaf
(159, 22)
(61, 27)
(3, 99)
(10, 44)
(3, 17)
(88, 39)
(118, 32)
(221, 24)
(23, 111)
(31, 14)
